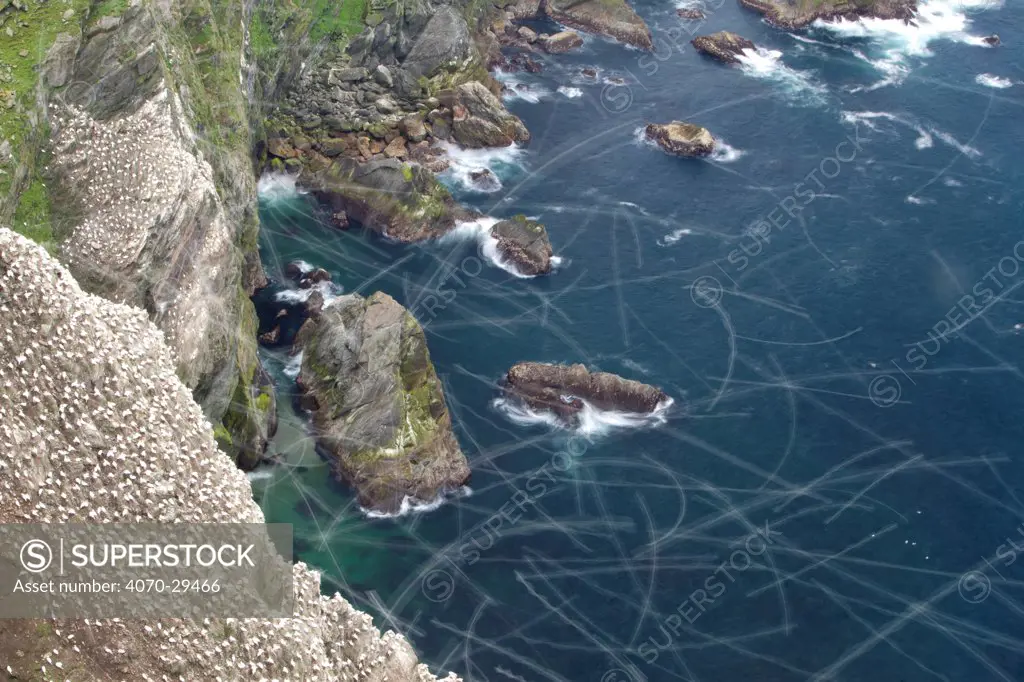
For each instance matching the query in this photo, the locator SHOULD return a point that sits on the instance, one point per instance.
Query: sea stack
(524, 243)
(379, 411)
(681, 139)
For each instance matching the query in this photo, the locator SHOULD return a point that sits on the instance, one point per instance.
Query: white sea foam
(260, 474)
(571, 93)
(898, 42)
(918, 201)
(411, 505)
(518, 88)
(990, 81)
(725, 153)
(952, 182)
(590, 421)
(480, 232)
(674, 236)
(767, 65)
(277, 187)
(924, 132)
(330, 291)
(463, 162)
(294, 366)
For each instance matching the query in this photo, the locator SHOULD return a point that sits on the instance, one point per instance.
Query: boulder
(527, 34)
(479, 119)
(690, 13)
(412, 127)
(525, 244)
(271, 337)
(562, 42)
(396, 148)
(723, 46)
(681, 139)
(379, 411)
(562, 389)
(992, 39)
(525, 9)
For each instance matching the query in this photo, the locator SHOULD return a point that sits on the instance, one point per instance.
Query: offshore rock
(561, 388)
(379, 408)
(723, 46)
(561, 42)
(479, 119)
(524, 243)
(613, 18)
(681, 139)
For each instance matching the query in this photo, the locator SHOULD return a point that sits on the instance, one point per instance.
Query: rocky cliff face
(149, 147)
(86, 385)
(378, 406)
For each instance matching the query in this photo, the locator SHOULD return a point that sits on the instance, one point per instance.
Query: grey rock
(347, 75)
(378, 407)
(60, 60)
(383, 76)
(444, 39)
(386, 105)
(561, 389)
(524, 243)
(481, 120)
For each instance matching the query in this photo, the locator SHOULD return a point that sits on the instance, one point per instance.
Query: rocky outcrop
(378, 407)
(156, 204)
(561, 42)
(690, 13)
(562, 388)
(723, 46)
(479, 119)
(612, 18)
(793, 15)
(403, 202)
(524, 243)
(681, 139)
(97, 426)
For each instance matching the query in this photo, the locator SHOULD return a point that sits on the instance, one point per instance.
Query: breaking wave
(797, 85)
(411, 505)
(924, 132)
(571, 93)
(591, 421)
(897, 42)
(273, 187)
(464, 162)
(480, 232)
(990, 81)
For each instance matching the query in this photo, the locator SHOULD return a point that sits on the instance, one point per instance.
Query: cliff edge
(85, 386)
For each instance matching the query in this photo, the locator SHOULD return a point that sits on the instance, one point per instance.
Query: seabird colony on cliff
(98, 428)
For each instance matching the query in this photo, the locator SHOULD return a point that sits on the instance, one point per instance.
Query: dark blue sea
(832, 301)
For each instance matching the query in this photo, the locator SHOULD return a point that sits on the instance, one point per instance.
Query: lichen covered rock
(378, 407)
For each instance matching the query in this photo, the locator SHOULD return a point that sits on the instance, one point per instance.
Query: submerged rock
(378, 407)
(524, 243)
(690, 13)
(563, 388)
(792, 15)
(723, 46)
(681, 139)
(992, 39)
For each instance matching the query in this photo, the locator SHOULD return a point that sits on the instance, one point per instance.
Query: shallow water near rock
(844, 437)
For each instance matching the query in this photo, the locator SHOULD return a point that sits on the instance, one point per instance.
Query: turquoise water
(835, 493)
